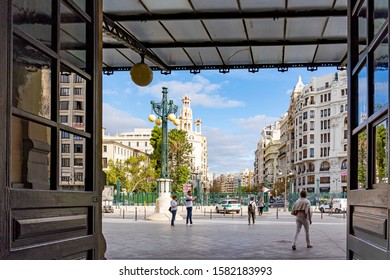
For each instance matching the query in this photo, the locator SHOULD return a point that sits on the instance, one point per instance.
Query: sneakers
(309, 246)
(294, 247)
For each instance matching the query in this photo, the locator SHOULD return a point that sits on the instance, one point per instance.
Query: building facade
(310, 139)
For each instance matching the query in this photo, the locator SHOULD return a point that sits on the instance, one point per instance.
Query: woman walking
(173, 209)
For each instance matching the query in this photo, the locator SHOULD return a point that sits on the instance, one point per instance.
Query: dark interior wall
(4, 112)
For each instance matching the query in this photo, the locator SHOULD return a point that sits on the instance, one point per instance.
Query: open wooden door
(50, 129)
(369, 190)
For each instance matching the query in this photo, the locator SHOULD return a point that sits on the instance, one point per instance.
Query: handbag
(170, 209)
(294, 212)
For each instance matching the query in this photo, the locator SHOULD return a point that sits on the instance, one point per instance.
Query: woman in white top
(173, 209)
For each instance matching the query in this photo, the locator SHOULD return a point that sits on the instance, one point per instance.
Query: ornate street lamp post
(165, 110)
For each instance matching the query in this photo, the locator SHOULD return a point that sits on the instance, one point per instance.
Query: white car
(339, 205)
(228, 205)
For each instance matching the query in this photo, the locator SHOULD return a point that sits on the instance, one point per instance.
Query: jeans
(173, 217)
(189, 215)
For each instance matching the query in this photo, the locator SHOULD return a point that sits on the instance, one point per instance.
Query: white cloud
(116, 121)
(201, 91)
(233, 150)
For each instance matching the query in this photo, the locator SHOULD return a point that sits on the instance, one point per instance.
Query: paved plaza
(220, 237)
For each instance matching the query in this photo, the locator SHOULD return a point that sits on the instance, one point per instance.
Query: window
(65, 162)
(78, 176)
(78, 148)
(78, 162)
(305, 139)
(344, 164)
(311, 165)
(77, 137)
(64, 91)
(78, 105)
(146, 144)
(312, 114)
(77, 91)
(78, 119)
(78, 79)
(311, 138)
(325, 166)
(65, 148)
(105, 148)
(341, 108)
(65, 135)
(64, 119)
(64, 78)
(312, 125)
(64, 105)
(104, 163)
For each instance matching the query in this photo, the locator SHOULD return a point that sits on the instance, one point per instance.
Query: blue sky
(233, 107)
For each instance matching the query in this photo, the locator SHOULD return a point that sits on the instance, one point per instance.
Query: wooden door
(51, 178)
(368, 117)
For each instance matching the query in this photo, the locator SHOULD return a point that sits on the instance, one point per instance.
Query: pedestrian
(174, 206)
(251, 210)
(302, 211)
(261, 206)
(189, 200)
(331, 207)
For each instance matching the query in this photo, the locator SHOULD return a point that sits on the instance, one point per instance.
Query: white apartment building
(266, 156)
(312, 149)
(199, 156)
(116, 151)
(139, 139)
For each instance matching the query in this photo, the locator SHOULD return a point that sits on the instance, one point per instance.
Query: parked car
(339, 205)
(228, 205)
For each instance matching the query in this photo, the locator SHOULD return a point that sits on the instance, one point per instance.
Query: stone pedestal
(163, 202)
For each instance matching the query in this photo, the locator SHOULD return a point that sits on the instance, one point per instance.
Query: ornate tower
(186, 115)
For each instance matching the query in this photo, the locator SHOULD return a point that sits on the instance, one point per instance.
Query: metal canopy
(224, 34)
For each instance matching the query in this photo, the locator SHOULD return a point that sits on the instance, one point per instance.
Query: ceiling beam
(248, 43)
(232, 67)
(232, 15)
(129, 41)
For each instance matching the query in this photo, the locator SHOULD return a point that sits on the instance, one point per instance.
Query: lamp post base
(163, 202)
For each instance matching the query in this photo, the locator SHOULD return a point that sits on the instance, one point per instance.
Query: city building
(198, 141)
(139, 139)
(310, 139)
(72, 108)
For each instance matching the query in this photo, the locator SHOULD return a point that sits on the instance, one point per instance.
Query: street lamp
(165, 110)
(285, 195)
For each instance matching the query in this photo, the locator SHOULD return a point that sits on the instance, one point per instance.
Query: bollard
(277, 213)
(224, 212)
(211, 214)
(144, 213)
(135, 213)
(241, 211)
(123, 213)
(344, 215)
(204, 212)
(322, 214)
(232, 215)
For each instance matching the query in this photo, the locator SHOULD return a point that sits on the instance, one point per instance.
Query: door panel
(50, 194)
(368, 141)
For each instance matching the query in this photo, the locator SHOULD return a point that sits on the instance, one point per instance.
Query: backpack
(250, 207)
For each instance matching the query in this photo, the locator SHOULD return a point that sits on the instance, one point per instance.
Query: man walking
(302, 211)
(251, 210)
(189, 200)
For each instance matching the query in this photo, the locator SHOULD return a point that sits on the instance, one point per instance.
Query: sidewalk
(222, 237)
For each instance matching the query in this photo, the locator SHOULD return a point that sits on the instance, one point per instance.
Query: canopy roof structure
(196, 35)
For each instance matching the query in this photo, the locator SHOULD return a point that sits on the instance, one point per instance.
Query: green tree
(362, 159)
(116, 171)
(381, 157)
(156, 141)
(135, 174)
(141, 174)
(179, 155)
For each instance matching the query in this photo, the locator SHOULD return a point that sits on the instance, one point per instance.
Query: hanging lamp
(141, 74)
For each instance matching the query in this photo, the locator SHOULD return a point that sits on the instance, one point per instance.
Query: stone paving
(224, 237)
